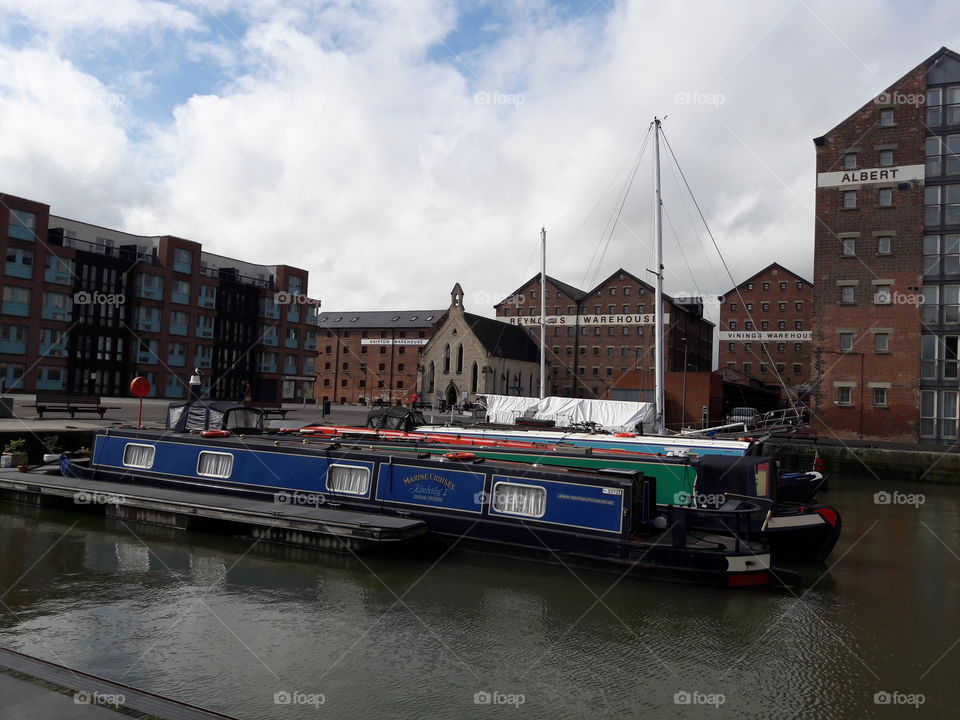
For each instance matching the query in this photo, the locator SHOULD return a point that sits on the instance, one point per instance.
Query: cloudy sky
(394, 147)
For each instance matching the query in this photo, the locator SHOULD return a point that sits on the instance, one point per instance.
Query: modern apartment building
(85, 309)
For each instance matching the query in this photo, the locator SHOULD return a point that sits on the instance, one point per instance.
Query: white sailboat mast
(543, 312)
(658, 273)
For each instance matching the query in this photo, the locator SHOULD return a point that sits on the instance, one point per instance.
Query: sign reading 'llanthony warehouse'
(869, 176)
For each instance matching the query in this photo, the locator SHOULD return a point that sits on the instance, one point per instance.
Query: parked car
(746, 415)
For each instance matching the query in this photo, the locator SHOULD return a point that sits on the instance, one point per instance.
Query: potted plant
(15, 453)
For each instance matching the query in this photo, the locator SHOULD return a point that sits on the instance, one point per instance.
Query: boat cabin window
(527, 500)
(138, 456)
(215, 464)
(348, 479)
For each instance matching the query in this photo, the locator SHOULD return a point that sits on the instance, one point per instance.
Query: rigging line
(624, 195)
(612, 221)
(693, 279)
(586, 219)
(763, 345)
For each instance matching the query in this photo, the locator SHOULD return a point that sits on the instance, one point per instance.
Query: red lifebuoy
(624, 435)
(214, 433)
(464, 456)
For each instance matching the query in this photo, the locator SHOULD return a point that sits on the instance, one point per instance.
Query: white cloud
(353, 144)
(58, 19)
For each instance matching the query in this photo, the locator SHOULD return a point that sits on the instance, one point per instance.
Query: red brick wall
(904, 220)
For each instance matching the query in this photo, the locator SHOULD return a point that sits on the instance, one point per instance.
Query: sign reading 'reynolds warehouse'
(624, 319)
(766, 335)
(393, 341)
(868, 176)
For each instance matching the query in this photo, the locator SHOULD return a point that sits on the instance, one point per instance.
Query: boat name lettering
(431, 477)
(581, 498)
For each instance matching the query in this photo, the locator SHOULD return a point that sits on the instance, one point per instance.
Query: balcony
(19, 270)
(292, 343)
(13, 347)
(20, 232)
(180, 298)
(176, 360)
(15, 308)
(49, 349)
(147, 325)
(204, 332)
(310, 344)
(267, 367)
(271, 340)
(53, 313)
(203, 362)
(178, 328)
(151, 293)
(183, 267)
(58, 277)
(290, 368)
(309, 369)
(147, 357)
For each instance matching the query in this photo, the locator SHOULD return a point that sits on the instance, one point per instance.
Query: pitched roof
(380, 319)
(502, 339)
(761, 272)
(566, 288)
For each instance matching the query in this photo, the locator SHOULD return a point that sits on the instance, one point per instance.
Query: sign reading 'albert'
(869, 176)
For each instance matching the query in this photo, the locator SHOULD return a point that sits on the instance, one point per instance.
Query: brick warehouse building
(765, 328)
(610, 328)
(886, 269)
(370, 356)
(85, 309)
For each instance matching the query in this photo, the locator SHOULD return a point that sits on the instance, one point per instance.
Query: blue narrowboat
(599, 519)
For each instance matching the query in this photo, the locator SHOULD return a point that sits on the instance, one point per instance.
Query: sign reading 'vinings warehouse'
(766, 335)
(624, 319)
(867, 176)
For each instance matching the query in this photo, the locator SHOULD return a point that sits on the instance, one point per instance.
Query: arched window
(474, 378)
(430, 375)
(446, 359)
(459, 358)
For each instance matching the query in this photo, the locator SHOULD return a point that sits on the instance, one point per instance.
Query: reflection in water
(212, 621)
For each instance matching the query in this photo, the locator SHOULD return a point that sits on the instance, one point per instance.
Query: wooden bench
(269, 409)
(56, 401)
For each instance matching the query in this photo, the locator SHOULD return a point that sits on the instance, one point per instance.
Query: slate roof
(502, 339)
(380, 319)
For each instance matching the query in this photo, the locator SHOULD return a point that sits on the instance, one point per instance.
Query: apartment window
(20, 263)
(886, 158)
(850, 161)
(848, 246)
(182, 260)
(23, 225)
(883, 245)
(881, 342)
(849, 199)
(181, 292)
(879, 397)
(885, 197)
(16, 301)
(844, 396)
(846, 294)
(886, 118)
(846, 342)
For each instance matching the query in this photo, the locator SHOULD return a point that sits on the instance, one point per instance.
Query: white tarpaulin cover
(504, 409)
(613, 415)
